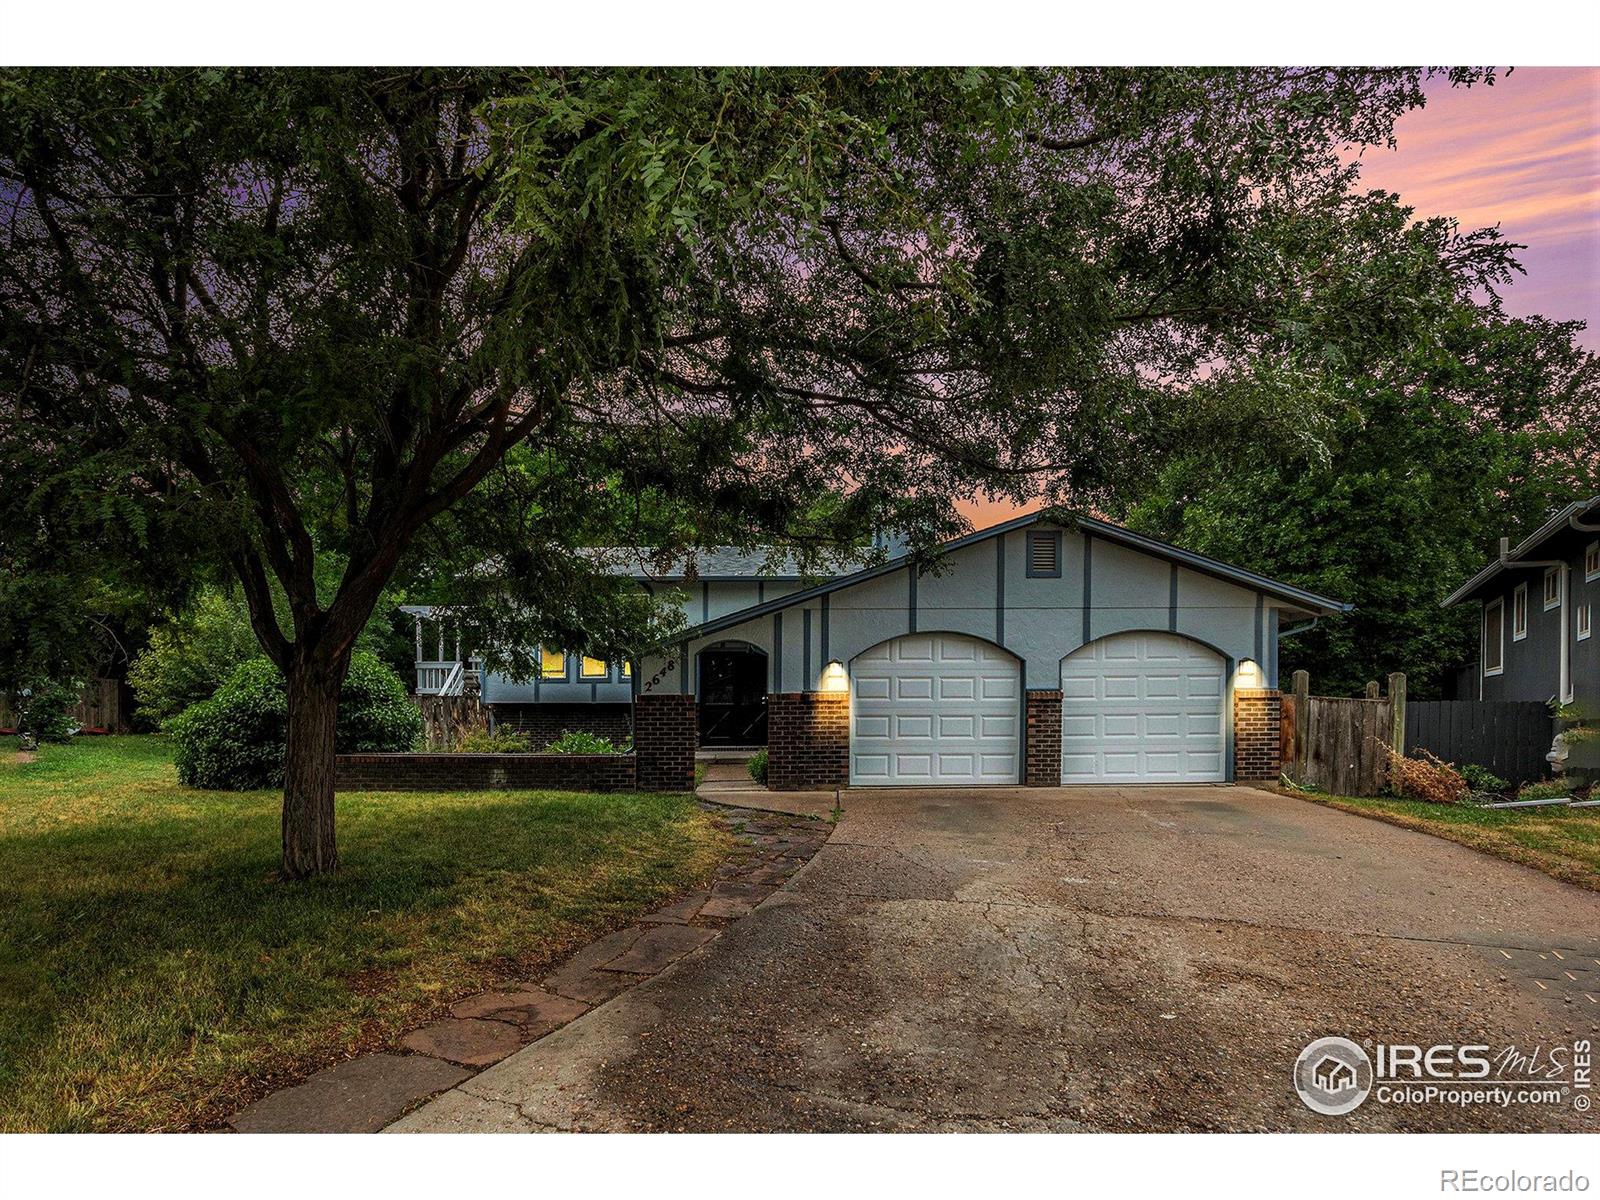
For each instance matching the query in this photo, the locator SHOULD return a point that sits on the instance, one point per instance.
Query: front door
(733, 697)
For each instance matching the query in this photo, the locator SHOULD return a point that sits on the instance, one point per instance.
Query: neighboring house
(1051, 648)
(1538, 601)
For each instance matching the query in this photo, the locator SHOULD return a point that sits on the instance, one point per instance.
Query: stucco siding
(983, 591)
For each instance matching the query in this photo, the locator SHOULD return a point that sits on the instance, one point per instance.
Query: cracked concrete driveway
(1058, 959)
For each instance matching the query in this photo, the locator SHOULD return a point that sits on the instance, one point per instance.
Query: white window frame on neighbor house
(1585, 621)
(1519, 613)
(1591, 562)
(588, 676)
(1500, 642)
(1552, 588)
(546, 670)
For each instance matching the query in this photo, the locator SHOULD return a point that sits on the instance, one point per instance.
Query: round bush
(235, 740)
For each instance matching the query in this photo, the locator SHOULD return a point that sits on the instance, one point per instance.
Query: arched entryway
(1143, 707)
(732, 694)
(935, 710)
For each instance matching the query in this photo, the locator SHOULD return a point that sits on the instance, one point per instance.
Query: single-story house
(1052, 648)
(1537, 603)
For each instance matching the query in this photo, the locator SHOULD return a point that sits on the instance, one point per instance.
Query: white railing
(434, 678)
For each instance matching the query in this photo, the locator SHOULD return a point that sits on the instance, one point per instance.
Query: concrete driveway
(1093, 958)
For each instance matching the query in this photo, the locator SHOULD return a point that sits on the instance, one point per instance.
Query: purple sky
(1523, 154)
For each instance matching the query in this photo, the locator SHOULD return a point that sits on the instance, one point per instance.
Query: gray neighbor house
(1052, 648)
(1537, 602)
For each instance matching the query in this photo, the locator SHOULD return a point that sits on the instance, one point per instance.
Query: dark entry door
(733, 698)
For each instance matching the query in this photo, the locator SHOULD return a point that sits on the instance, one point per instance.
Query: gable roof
(1552, 527)
(1308, 601)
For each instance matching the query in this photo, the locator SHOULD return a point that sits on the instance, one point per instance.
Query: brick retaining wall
(485, 772)
(665, 735)
(808, 740)
(1256, 745)
(544, 723)
(1043, 767)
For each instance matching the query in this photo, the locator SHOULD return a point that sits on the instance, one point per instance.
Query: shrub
(235, 740)
(579, 741)
(189, 658)
(45, 711)
(1427, 778)
(757, 766)
(1481, 779)
(481, 741)
(1546, 789)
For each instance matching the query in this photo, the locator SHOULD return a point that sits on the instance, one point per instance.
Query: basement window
(1044, 554)
(1494, 633)
(1552, 587)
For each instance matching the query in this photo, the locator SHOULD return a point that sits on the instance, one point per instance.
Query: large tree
(290, 316)
(1475, 428)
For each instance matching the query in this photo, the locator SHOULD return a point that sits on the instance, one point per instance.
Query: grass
(155, 974)
(1561, 842)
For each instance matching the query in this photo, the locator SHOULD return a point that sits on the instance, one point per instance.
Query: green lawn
(154, 974)
(1563, 842)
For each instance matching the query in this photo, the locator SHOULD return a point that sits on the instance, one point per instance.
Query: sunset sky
(1523, 154)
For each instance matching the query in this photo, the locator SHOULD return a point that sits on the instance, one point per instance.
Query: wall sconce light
(1249, 674)
(834, 678)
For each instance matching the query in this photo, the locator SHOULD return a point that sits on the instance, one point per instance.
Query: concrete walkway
(1110, 959)
(728, 782)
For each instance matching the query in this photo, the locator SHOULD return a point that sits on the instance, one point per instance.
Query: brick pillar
(664, 738)
(1043, 768)
(1256, 744)
(808, 740)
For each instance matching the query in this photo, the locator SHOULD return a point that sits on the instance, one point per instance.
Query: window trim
(1585, 622)
(1500, 668)
(583, 669)
(545, 675)
(1552, 601)
(1519, 613)
(1038, 535)
(1591, 552)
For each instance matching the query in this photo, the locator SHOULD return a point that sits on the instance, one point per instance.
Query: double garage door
(932, 710)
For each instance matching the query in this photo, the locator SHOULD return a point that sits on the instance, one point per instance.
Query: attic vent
(1044, 554)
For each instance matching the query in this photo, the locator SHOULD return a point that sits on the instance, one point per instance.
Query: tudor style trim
(1309, 602)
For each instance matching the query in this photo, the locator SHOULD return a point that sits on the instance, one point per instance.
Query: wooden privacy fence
(99, 708)
(1341, 745)
(1509, 737)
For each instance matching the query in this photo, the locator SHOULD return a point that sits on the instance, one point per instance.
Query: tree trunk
(308, 845)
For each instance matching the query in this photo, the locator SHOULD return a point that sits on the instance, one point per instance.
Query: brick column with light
(808, 740)
(1256, 734)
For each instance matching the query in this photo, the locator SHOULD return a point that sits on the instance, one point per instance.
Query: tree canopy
(455, 324)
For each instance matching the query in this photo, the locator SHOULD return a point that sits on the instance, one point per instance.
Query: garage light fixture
(834, 678)
(1249, 674)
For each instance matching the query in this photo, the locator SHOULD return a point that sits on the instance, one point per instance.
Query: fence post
(1372, 689)
(1302, 721)
(1397, 706)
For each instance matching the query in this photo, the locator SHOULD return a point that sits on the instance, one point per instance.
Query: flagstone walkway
(366, 1093)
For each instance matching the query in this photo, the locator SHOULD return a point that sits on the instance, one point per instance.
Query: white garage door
(1142, 707)
(935, 710)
